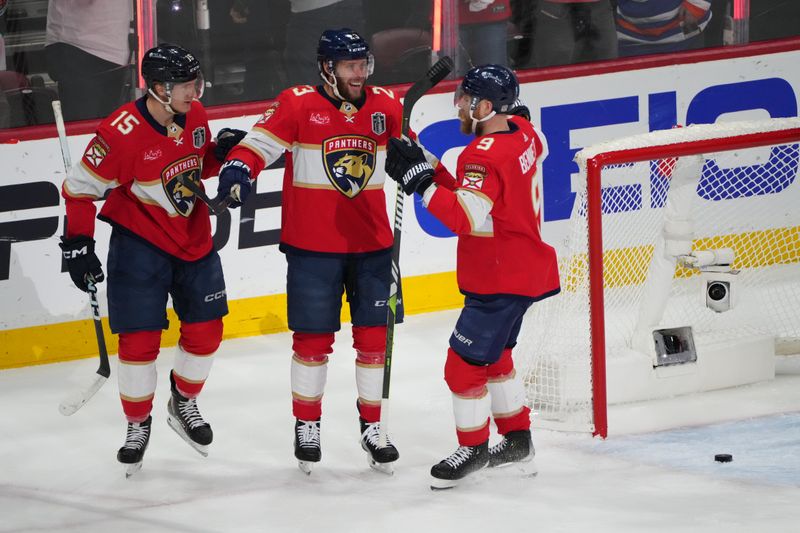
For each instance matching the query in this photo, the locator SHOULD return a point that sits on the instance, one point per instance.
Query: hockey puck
(723, 458)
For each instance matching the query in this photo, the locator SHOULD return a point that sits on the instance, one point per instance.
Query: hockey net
(744, 196)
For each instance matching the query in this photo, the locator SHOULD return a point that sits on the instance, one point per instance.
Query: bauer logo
(349, 161)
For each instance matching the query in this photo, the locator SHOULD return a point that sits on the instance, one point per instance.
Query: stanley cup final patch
(378, 123)
(199, 137)
(349, 161)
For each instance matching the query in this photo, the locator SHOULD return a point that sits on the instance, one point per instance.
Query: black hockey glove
(227, 138)
(81, 260)
(234, 182)
(520, 109)
(406, 164)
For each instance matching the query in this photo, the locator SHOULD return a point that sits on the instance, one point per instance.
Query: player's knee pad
(464, 378)
(503, 366)
(312, 345)
(369, 339)
(201, 338)
(139, 346)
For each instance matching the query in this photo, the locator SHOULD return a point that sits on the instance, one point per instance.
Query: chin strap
(167, 105)
(333, 85)
(473, 105)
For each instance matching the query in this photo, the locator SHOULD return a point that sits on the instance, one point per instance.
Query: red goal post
(607, 263)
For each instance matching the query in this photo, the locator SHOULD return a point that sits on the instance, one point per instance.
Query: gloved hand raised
(234, 182)
(406, 164)
(227, 138)
(81, 260)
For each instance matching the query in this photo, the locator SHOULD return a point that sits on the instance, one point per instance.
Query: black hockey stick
(217, 206)
(79, 398)
(435, 74)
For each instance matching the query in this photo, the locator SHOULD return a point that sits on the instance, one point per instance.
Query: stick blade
(79, 398)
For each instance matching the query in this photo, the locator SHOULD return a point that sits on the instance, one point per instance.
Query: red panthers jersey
(333, 199)
(143, 163)
(494, 210)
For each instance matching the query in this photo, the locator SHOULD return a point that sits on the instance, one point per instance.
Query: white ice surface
(60, 473)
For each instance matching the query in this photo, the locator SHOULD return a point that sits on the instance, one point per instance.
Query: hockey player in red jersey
(503, 266)
(334, 228)
(160, 245)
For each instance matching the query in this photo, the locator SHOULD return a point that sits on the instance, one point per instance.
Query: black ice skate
(307, 448)
(185, 419)
(462, 462)
(516, 449)
(379, 458)
(132, 452)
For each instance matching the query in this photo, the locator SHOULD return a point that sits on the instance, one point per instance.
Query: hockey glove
(519, 109)
(406, 164)
(82, 262)
(227, 138)
(234, 182)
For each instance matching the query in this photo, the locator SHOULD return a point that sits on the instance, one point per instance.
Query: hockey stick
(435, 74)
(76, 400)
(217, 206)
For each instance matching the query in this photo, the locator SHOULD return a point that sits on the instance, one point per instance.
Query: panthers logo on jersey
(349, 161)
(173, 178)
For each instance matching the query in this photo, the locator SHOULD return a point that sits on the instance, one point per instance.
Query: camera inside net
(720, 289)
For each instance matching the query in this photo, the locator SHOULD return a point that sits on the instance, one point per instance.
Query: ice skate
(462, 462)
(515, 450)
(380, 459)
(307, 447)
(132, 452)
(186, 420)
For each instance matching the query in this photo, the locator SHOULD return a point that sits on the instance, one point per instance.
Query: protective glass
(355, 67)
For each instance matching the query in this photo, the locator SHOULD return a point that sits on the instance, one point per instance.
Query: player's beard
(348, 93)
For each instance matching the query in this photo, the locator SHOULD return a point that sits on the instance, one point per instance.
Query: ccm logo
(72, 254)
(382, 303)
(214, 296)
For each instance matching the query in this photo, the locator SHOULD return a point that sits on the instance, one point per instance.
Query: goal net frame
(654, 146)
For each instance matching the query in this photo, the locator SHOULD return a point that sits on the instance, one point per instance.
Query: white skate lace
(136, 437)
(190, 414)
(308, 434)
(459, 456)
(499, 447)
(371, 435)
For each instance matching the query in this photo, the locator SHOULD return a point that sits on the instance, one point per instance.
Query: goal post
(662, 224)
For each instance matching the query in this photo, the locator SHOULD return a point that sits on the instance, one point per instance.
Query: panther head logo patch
(349, 161)
(172, 178)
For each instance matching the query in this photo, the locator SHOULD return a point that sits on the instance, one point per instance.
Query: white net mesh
(746, 200)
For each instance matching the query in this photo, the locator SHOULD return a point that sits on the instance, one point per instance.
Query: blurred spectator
(307, 21)
(522, 16)
(87, 53)
(571, 31)
(482, 33)
(659, 26)
(721, 11)
(257, 38)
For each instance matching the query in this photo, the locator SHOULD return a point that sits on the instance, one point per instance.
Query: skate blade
(443, 484)
(202, 449)
(131, 469)
(383, 468)
(305, 467)
(521, 468)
